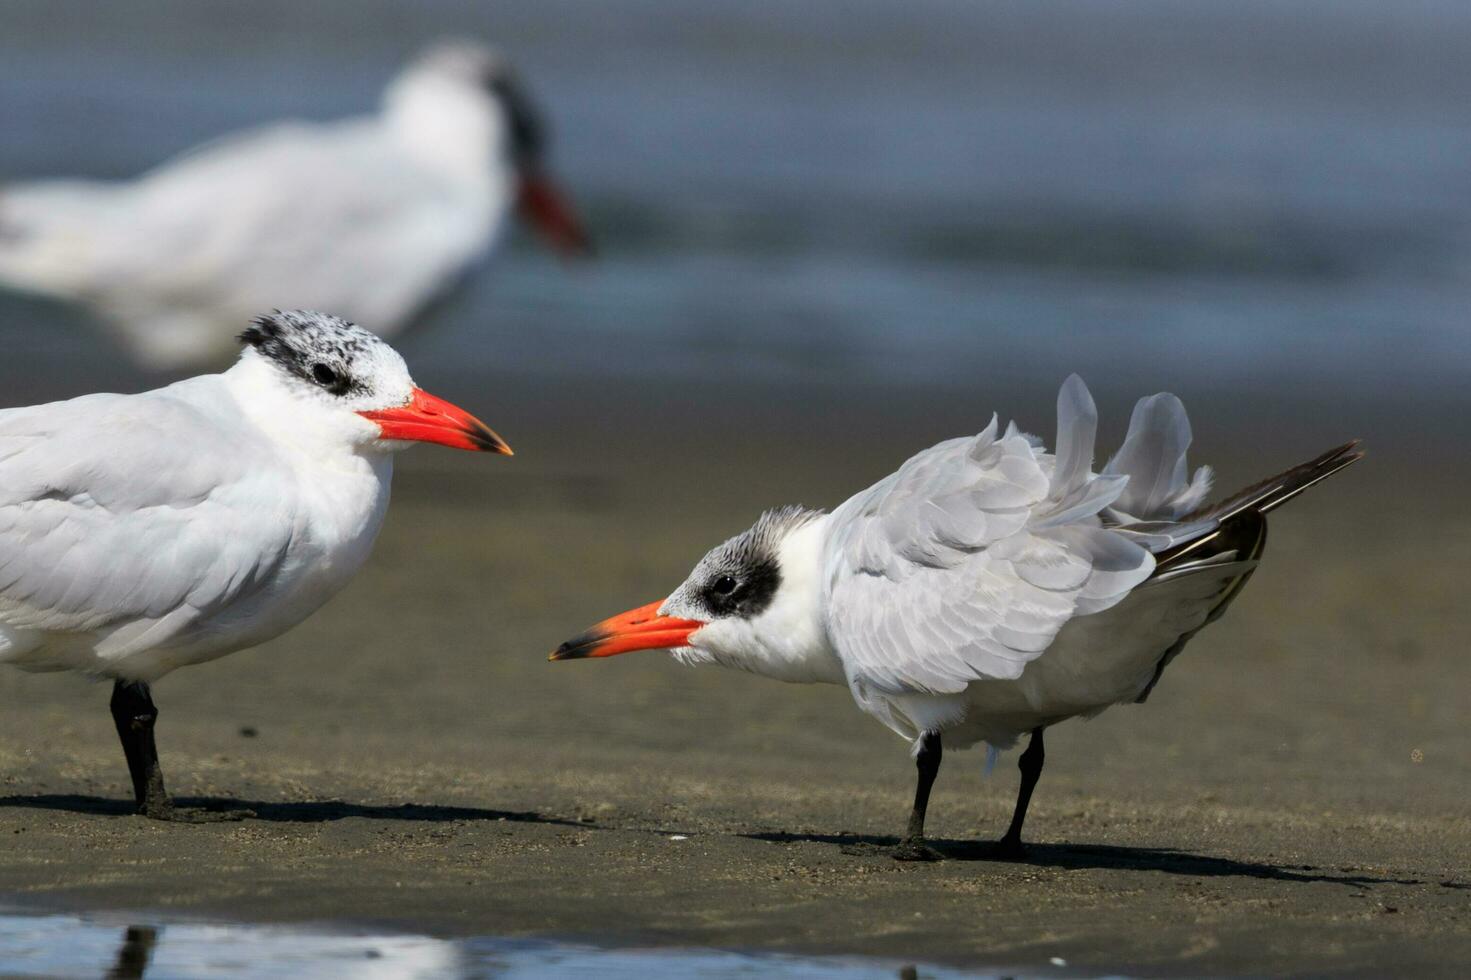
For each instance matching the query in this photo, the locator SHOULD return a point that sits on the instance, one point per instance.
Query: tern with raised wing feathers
(371, 218)
(986, 590)
(143, 533)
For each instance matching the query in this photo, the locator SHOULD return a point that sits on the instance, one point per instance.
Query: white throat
(314, 430)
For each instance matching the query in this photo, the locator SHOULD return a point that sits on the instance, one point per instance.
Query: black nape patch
(262, 330)
(523, 119)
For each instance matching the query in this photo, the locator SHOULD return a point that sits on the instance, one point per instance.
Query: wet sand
(1291, 800)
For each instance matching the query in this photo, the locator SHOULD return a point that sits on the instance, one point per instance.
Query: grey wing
(110, 524)
(88, 236)
(966, 563)
(327, 216)
(322, 216)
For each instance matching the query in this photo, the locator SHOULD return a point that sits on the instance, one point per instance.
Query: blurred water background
(1226, 198)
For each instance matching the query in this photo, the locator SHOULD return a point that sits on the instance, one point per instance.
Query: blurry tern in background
(986, 590)
(142, 533)
(370, 217)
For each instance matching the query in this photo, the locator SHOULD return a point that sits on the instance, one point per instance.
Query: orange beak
(429, 419)
(545, 207)
(638, 629)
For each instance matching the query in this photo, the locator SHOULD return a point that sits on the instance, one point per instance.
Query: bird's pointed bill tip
(590, 643)
(489, 442)
(428, 418)
(638, 629)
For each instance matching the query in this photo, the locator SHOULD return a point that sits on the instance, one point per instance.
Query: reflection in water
(71, 946)
(133, 954)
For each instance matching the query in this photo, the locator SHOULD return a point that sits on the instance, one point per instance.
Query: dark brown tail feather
(1259, 499)
(1242, 528)
(1275, 491)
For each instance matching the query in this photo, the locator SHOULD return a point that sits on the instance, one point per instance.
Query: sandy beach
(1291, 800)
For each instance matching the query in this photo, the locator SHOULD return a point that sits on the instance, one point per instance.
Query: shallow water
(69, 946)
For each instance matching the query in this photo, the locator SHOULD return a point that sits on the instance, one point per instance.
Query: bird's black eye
(324, 376)
(724, 585)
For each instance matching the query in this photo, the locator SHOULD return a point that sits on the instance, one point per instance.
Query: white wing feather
(966, 563)
(106, 527)
(1153, 458)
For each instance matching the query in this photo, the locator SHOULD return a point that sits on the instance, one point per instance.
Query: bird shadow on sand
(314, 811)
(1074, 857)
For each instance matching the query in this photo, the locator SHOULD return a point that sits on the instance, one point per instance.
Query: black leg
(1031, 766)
(927, 761)
(134, 714)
